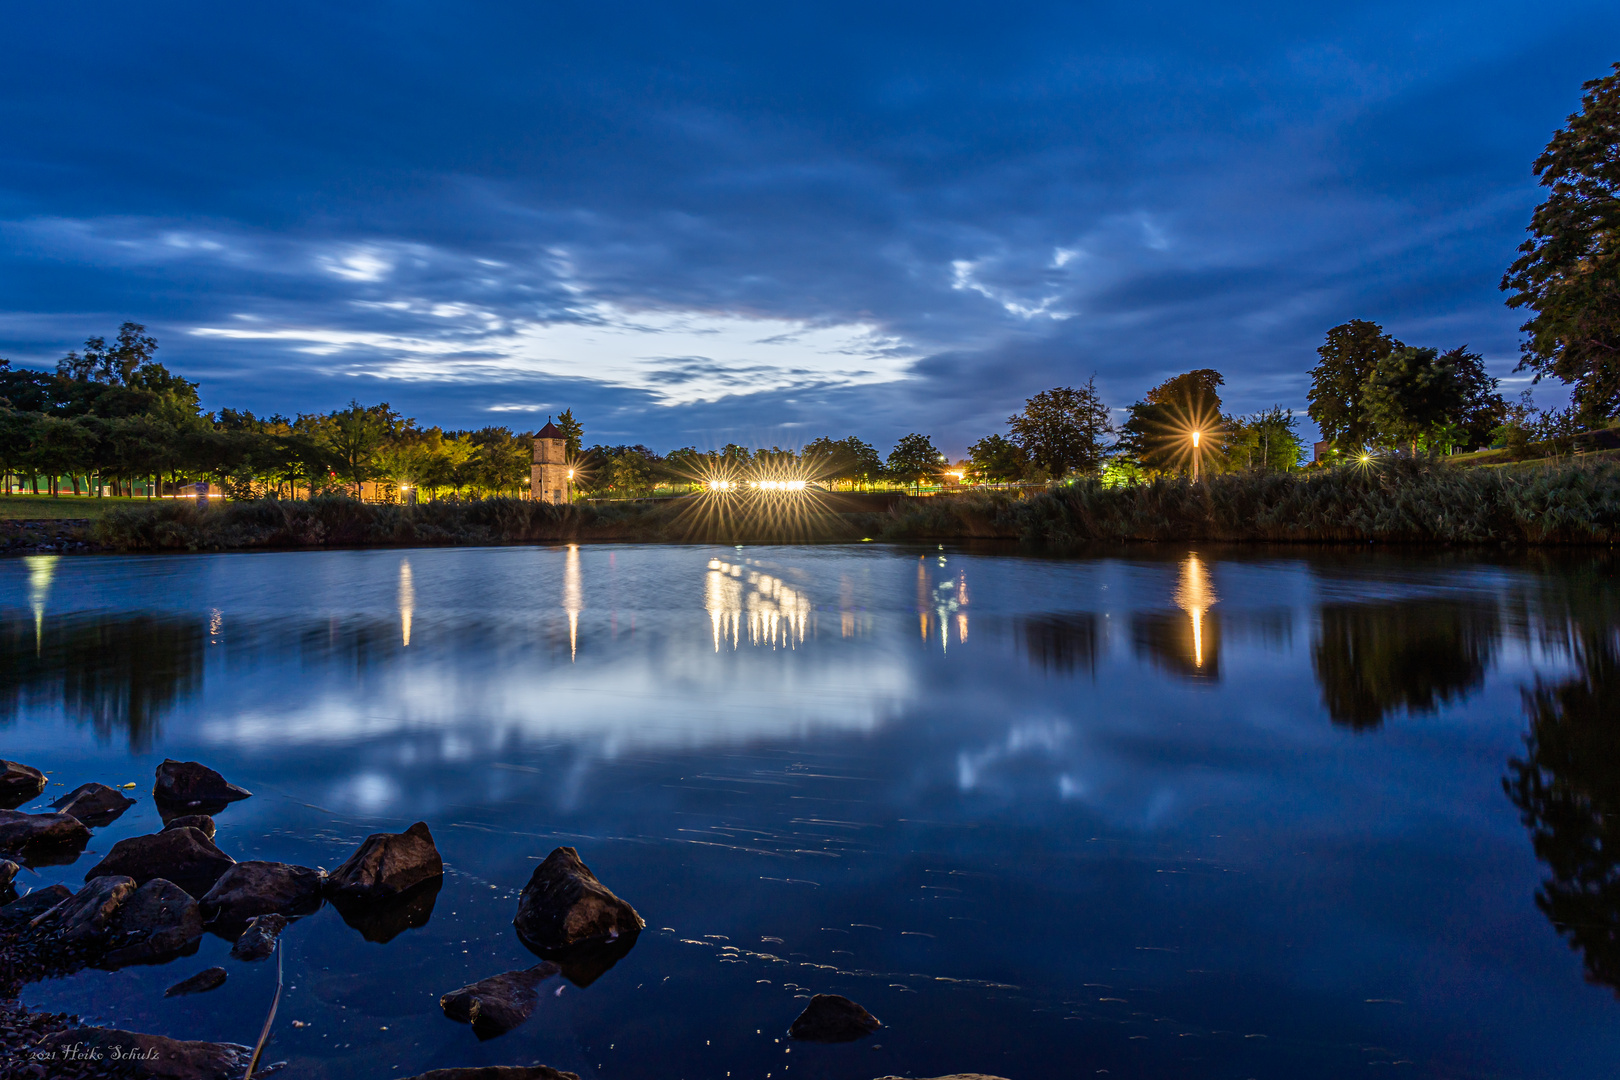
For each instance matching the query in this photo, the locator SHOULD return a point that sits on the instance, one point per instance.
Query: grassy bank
(1395, 503)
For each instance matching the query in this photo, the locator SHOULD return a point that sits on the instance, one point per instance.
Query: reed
(1397, 502)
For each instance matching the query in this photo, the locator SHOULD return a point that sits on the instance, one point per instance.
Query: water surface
(1160, 812)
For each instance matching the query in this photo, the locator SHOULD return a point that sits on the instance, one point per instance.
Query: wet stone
(201, 822)
(205, 980)
(258, 888)
(496, 1005)
(387, 864)
(564, 904)
(183, 856)
(19, 783)
(832, 1018)
(258, 941)
(152, 1055)
(22, 911)
(84, 920)
(156, 923)
(94, 804)
(192, 784)
(42, 839)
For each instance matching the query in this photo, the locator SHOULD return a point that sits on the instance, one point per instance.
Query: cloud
(666, 218)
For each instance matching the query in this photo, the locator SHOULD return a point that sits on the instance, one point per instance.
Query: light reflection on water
(1151, 802)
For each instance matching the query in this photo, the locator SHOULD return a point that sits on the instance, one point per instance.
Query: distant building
(1321, 451)
(550, 478)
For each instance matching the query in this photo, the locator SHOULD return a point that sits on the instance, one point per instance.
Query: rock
(84, 919)
(387, 864)
(201, 822)
(157, 923)
(149, 1055)
(21, 912)
(954, 1076)
(183, 856)
(259, 888)
(19, 783)
(8, 872)
(258, 941)
(496, 1072)
(205, 980)
(94, 804)
(190, 784)
(382, 921)
(42, 839)
(496, 1005)
(564, 904)
(831, 1018)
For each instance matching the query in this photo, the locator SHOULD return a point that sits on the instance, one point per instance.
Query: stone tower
(549, 476)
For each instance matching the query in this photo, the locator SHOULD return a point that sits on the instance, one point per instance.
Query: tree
(998, 459)
(1338, 381)
(573, 432)
(1267, 441)
(1568, 272)
(914, 459)
(1158, 432)
(355, 435)
(1063, 429)
(849, 460)
(1411, 393)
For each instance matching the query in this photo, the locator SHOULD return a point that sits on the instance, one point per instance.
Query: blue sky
(703, 222)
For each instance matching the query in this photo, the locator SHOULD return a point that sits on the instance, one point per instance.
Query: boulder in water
(258, 941)
(42, 839)
(192, 784)
(833, 1018)
(563, 904)
(387, 864)
(496, 1005)
(259, 888)
(20, 912)
(201, 822)
(94, 804)
(19, 783)
(183, 856)
(205, 980)
(155, 924)
(85, 919)
(149, 1055)
(8, 877)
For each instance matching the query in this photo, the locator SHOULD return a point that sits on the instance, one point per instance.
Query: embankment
(1397, 503)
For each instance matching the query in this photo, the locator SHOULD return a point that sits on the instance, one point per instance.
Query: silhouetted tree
(1348, 356)
(1568, 272)
(1064, 429)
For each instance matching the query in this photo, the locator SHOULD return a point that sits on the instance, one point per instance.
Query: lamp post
(1195, 436)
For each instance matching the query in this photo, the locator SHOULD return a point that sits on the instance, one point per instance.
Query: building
(550, 478)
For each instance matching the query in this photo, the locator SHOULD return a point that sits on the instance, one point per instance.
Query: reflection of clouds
(1030, 738)
(368, 793)
(672, 694)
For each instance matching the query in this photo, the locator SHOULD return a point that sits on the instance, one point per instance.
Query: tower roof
(550, 431)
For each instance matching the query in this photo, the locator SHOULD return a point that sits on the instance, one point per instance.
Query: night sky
(697, 223)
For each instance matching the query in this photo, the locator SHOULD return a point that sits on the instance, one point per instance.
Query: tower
(550, 479)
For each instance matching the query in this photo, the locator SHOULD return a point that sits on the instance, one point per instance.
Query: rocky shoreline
(151, 898)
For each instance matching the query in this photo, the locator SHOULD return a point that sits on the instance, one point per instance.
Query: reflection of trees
(117, 673)
(1567, 786)
(1415, 655)
(1186, 644)
(1062, 644)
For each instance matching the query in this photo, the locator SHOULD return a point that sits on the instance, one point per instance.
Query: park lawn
(44, 508)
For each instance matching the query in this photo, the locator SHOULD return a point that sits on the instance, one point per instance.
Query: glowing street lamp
(1196, 436)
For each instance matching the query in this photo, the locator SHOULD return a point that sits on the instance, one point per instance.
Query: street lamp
(1196, 435)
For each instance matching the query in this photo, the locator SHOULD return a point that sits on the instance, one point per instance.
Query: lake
(1142, 813)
